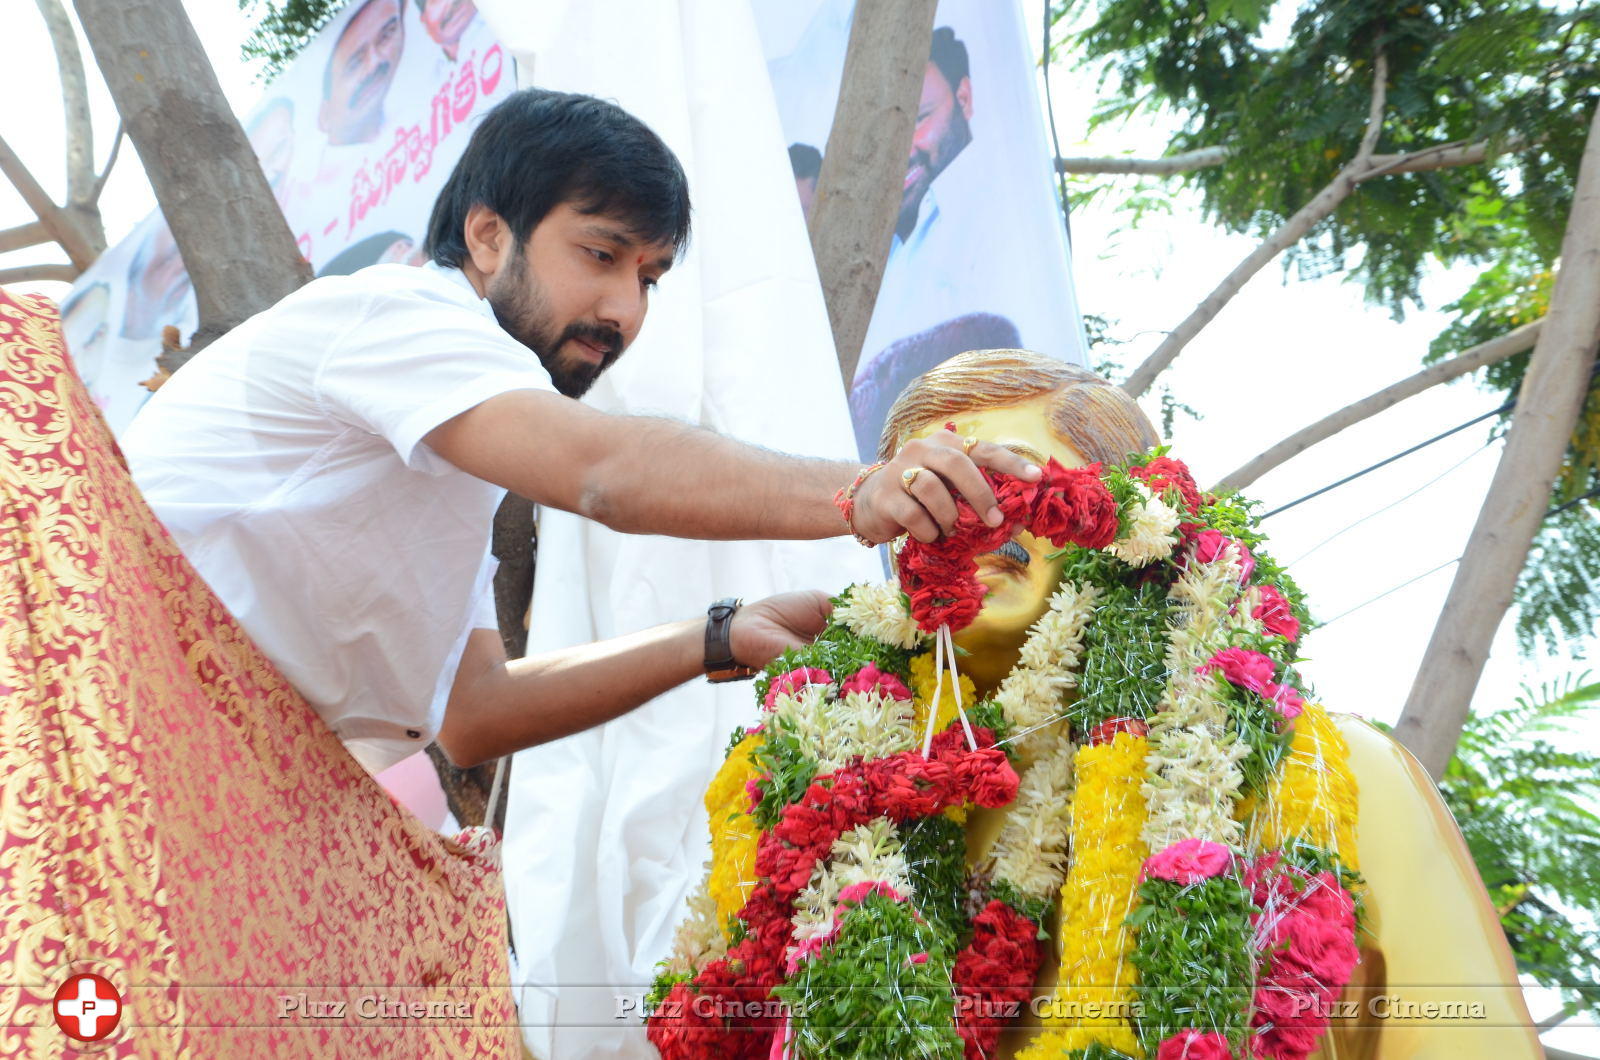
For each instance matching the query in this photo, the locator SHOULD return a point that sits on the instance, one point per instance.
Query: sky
(1282, 354)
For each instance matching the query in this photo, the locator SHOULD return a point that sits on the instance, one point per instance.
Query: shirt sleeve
(484, 615)
(415, 358)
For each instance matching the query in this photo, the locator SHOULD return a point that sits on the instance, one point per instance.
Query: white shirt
(287, 460)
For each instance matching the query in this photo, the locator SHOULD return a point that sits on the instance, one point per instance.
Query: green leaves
(1193, 956)
(1527, 802)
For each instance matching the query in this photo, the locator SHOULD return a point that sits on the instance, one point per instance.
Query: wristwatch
(720, 664)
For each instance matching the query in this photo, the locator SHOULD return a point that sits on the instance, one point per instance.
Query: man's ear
(964, 97)
(488, 239)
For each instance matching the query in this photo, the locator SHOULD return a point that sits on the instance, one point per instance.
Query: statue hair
(1099, 419)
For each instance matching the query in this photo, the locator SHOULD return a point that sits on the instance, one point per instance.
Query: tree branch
(111, 160)
(1186, 162)
(1380, 92)
(30, 273)
(858, 191)
(1548, 405)
(27, 235)
(63, 229)
(1491, 352)
(74, 99)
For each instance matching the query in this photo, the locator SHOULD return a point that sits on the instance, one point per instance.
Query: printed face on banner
(365, 56)
(446, 21)
(979, 258)
(355, 138)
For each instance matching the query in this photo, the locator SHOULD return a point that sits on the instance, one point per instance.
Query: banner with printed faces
(356, 137)
(979, 257)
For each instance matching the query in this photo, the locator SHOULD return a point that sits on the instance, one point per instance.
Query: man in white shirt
(333, 465)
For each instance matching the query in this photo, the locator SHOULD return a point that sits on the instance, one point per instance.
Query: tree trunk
(858, 190)
(238, 249)
(1548, 405)
(82, 189)
(1491, 352)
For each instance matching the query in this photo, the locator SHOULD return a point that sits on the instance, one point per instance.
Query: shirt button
(414, 734)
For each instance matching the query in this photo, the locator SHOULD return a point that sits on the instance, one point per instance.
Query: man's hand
(762, 631)
(885, 509)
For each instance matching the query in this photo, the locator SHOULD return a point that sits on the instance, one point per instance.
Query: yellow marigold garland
(1095, 992)
(733, 831)
(1313, 796)
(922, 686)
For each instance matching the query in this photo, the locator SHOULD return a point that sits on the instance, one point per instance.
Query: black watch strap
(719, 662)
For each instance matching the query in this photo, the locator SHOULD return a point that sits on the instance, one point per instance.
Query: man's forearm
(680, 480)
(513, 705)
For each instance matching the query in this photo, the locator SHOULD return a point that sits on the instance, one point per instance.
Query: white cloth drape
(605, 833)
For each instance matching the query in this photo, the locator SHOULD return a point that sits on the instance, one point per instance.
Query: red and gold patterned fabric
(173, 815)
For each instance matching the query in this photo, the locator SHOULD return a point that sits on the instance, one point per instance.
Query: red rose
(870, 678)
(1074, 507)
(1195, 1045)
(1325, 951)
(1106, 731)
(1164, 473)
(988, 777)
(1242, 667)
(1274, 614)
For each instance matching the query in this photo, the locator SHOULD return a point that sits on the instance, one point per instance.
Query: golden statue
(1436, 977)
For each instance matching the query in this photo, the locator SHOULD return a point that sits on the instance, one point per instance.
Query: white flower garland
(1030, 696)
(877, 610)
(873, 851)
(1152, 526)
(1193, 778)
(833, 732)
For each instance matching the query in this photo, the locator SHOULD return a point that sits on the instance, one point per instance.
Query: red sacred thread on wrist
(845, 501)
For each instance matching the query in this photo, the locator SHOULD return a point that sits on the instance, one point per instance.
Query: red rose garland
(994, 976)
(1066, 506)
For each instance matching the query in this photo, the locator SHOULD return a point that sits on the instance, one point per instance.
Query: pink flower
(1210, 544)
(1194, 1045)
(857, 893)
(917, 958)
(793, 681)
(1285, 699)
(808, 948)
(1243, 667)
(1188, 861)
(1274, 614)
(869, 677)
(752, 791)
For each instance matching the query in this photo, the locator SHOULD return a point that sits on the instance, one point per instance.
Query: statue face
(1019, 577)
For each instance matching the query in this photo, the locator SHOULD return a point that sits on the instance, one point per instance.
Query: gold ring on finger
(967, 444)
(908, 477)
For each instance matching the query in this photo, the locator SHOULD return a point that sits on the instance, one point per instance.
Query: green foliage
(1194, 958)
(1526, 802)
(1124, 654)
(283, 28)
(1460, 71)
(788, 772)
(862, 997)
(936, 857)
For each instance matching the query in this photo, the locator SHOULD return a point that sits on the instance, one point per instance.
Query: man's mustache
(380, 74)
(608, 339)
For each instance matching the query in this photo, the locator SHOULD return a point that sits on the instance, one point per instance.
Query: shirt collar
(458, 278)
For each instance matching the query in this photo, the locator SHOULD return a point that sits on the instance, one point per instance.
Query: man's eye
(601, 256)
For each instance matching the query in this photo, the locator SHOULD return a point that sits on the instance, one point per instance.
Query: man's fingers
(930, 491)
(963, 476)
(999, 458)
(915, 518)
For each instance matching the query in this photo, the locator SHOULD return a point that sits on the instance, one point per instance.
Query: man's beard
(524, 312)
(956, 137)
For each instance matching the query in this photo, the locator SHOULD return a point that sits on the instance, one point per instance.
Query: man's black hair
(805, 160)
(949, 55)
(333, 53)
(537, 149)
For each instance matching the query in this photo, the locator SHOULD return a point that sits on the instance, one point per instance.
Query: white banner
(979, 257)
(356, 137)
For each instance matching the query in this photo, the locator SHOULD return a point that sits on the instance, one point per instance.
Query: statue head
(1041, 408)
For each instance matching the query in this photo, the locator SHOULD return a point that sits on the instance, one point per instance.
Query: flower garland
(1211, 806)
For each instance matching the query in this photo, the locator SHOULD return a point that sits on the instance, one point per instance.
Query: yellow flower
(922, 687)
(1313, 797)
(733, 831)
(1093, 998)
